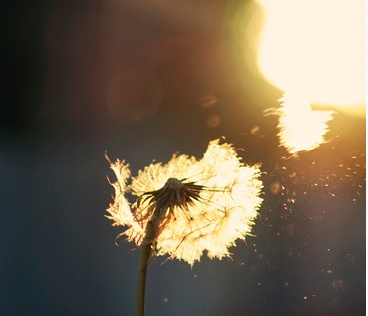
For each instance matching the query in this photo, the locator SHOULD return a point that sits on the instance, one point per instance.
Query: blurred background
(143, 80)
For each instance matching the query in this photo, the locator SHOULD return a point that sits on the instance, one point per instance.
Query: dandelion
(187, 206)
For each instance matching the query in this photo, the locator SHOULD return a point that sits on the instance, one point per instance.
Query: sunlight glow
(301, 128)
(316, 49)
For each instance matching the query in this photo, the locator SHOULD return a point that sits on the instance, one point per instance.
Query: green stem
(151, 233)
(142, 273)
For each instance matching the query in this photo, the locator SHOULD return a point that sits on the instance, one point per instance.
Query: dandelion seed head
(196, 206)
(120, 211)
(174, 183)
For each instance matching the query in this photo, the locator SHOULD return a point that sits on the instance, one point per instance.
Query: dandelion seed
(188, 206)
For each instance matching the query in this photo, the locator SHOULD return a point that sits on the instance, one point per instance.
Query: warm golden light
(314, 51)
(188, 207)
(300, 127)
(317, 46)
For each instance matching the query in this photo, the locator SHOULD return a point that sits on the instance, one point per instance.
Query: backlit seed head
(195, 205)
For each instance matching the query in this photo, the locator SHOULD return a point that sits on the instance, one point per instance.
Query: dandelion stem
(151, 231)
(142, 274)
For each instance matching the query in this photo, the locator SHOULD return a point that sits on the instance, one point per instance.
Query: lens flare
(314, 49)
(301, 128)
